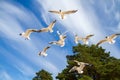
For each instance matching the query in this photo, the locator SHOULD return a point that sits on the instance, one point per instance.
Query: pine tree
(43, 75)
(103, 66)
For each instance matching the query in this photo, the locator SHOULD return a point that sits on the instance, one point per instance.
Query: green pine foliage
(43, 75)
(103, 66)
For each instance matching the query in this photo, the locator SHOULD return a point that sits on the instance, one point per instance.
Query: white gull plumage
(43, 52)
(110, 39)
(63, 13)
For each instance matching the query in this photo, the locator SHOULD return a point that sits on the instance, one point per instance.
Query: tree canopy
(103, 66)
(43, 75)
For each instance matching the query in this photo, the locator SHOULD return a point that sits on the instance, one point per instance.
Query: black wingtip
(39, 31)
(118, 34)
(76, 10)
(49, 46)
(49, 11)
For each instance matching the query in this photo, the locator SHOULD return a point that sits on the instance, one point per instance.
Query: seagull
(49, 28)
(43, 52)
(79, 68)
(85, 40)
(61, 36)
(61, 41)
(27, 33)
(76, 39)
(109, 39)
(63, 13)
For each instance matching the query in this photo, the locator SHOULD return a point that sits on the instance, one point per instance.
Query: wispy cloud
(84, 22)
(15, 19)
(10, 23)
(5, 76)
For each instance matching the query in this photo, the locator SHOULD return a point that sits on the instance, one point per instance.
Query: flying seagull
(85, 39)
(49, 28)
(109, 39)
(63, 13)
(79, 68)
(27, 33)
(61, 41)
(43, 52)
(76, 39)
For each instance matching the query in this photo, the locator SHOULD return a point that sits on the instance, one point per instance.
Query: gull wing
(100, 42)
(114, 36)
(78, 63)
(46, 48)
(28, 31)
(69, 12)
(52, 24)
(88, 36)
(43, 30)
(73, 69)
(52, 11)
(81, 67)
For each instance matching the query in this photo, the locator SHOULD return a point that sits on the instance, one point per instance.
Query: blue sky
(19, 58)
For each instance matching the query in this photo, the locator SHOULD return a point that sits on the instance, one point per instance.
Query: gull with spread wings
(49, 28)
(43, 52)
(61, 41)
(63, 13)
(85, 39)
(79, 68)
(27, 33)
(109, 39)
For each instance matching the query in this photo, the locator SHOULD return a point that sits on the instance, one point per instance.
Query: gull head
(40, 54)
(107, 37)
(21, 34)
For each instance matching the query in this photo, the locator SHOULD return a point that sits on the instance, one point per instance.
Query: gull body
(27, 33)
(109, 39)
(63, 13)
(49, 28)
(43, 52)
(61, 41)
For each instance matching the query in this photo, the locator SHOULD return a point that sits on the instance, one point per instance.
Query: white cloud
(11, 28)
(83, 22)
(5, 76)
(10, 20)
(25, 69)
